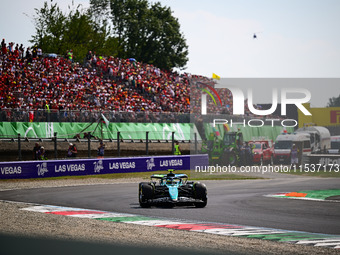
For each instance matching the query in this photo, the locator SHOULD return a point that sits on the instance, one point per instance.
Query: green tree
(147, 32)
(59, 32)
(165, 46)
(50, 27)
(334, 102)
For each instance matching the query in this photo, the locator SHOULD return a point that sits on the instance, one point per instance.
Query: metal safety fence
(41, 115)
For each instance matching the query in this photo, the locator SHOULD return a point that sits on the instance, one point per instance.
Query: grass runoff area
(321, 194)
(146, 175)
(331, 194)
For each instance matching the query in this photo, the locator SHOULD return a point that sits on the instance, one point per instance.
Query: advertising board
(57, 168)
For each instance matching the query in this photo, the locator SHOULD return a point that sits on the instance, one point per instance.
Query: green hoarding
(127, 131)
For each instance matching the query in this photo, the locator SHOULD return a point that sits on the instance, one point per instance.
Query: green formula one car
(172, 189)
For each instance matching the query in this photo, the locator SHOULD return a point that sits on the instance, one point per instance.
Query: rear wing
(164, 176)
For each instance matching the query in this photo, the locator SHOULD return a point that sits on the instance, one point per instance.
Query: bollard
(19, 147)
(55, 146)
(173, 143)
(118, 143)
(89, 145)
(147, 143)
(195, 143)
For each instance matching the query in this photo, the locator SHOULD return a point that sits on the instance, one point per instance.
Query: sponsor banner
(56, 168)
(325, 116)
(325, 162)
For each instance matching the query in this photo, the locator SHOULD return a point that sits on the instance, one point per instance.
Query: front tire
(145, 194)
(201, 194)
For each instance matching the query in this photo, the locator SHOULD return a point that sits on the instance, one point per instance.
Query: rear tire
(201, 194)
(145, 194)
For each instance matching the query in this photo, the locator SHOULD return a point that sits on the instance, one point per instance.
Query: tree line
(136, 29)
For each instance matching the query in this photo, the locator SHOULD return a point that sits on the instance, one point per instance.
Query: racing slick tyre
(145, 194)
(201, 194)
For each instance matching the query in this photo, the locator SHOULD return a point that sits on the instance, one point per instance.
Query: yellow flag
(215, 76)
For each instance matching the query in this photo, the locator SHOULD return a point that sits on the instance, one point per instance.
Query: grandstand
(30, 82)
(47, 89)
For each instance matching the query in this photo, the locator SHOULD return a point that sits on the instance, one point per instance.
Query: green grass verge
(321, 194)
(143, 175)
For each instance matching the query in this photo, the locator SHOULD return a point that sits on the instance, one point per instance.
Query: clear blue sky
(296, 38)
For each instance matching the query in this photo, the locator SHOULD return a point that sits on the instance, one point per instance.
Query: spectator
(242, 152)
(21, 51)
(28, 53)
(101, 149)
(88, 56)
(36, 151)
(88, 135)
(177, 149)
(248, 154)
(72, 151)
(294, 156)
(3, 47)
(42, 155)
(70, 55)
(39, 53)
(77, 136)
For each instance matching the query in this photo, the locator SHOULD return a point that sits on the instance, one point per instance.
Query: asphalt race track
(235, 202)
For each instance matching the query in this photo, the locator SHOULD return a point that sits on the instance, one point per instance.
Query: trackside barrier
(75, 167)
(318, 163)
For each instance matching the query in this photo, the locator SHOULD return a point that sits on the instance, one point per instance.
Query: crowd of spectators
(47, 87)
(30, 81)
